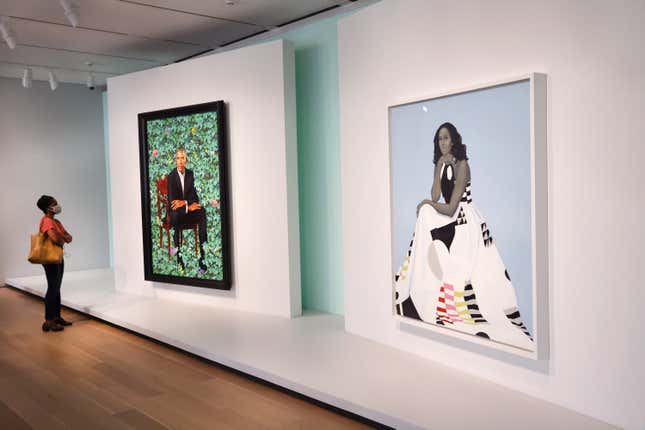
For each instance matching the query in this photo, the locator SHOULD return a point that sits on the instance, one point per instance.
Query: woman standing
(453, 274)
(54, 272)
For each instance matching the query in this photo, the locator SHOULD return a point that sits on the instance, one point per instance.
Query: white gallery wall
(52, 143)
(257, 85)
(592, 53)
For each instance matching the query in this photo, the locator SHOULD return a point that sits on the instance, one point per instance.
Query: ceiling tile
(135, 20)
(79, 39)
(72, 60)
(122, 36)
(266, 13)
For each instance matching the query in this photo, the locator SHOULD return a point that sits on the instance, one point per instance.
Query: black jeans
(54, 273)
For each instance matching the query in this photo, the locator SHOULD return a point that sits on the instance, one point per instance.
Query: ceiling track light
(71, 11)
(90, 81)
(27, 78)
(6, 32)
(53, 81)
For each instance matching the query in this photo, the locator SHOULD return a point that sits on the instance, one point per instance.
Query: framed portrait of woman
(184, 195)
(468, 181)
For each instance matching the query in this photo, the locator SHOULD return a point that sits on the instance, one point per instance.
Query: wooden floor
(95, 376)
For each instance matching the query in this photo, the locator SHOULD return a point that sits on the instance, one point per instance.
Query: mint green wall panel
(316, 54)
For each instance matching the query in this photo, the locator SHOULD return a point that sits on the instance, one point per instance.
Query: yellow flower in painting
(193, 130)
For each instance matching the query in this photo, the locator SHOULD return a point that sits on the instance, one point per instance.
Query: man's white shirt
(181, 179)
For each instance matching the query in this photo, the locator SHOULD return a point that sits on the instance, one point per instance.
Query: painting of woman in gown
(452, 274)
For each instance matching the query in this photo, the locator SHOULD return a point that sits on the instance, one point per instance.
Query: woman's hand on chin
(448, 159)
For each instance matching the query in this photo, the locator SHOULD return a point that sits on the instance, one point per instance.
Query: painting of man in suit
(185, 209)
(182, 152)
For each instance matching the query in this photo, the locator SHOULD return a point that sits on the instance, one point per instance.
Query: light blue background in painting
(494, 124)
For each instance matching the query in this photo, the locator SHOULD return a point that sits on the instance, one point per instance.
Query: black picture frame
(222, 204)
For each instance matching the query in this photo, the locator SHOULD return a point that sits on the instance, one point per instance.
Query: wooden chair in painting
(163, 212)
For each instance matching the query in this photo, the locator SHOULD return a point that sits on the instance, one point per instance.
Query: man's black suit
(179, 217)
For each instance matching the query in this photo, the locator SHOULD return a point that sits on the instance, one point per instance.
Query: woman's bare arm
(435, 192)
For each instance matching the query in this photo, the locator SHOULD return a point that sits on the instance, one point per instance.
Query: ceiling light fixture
(71, 11)
(6, 32)
(53, 82)
(27, 78)
(90, 81)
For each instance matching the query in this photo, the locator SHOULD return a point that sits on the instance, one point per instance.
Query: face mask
(56, 209)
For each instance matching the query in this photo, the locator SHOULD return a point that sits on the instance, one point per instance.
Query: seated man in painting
(185, 207)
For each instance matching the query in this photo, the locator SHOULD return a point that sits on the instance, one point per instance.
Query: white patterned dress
(453, 274)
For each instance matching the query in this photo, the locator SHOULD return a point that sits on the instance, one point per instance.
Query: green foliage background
(196, 133)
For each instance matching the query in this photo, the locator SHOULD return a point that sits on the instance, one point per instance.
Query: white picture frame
(538, 231)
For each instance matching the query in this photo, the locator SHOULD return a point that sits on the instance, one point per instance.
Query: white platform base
(314, 356)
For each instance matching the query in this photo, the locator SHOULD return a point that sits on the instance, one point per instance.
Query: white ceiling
(122, 36)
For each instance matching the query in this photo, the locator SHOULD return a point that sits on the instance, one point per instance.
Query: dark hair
(44, 202)
(458, 148)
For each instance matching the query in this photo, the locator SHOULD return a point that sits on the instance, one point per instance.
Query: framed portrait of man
(185, 214)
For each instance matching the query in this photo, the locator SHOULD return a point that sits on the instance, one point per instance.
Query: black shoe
(52, 326)
(202, 267)
(61, 321)
(181, 263)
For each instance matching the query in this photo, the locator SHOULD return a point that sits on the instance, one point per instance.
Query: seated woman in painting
(453, 274)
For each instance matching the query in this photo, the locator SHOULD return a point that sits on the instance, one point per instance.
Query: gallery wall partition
(106, 144)
(249, 197)
(316, 59)
(52, 143)
(594, 239)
